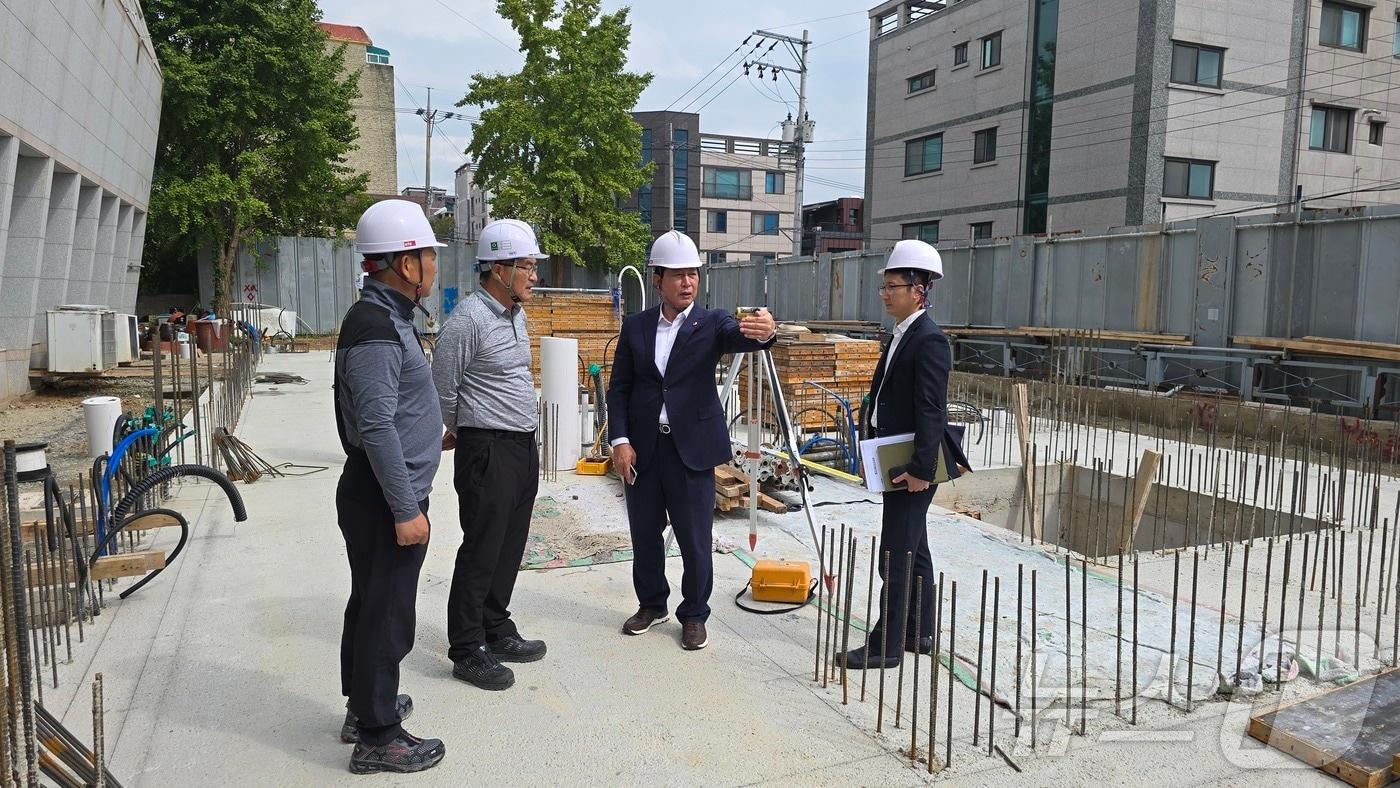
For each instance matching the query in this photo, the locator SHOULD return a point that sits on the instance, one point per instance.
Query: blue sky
(441, 43)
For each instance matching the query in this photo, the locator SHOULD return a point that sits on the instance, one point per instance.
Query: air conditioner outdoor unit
(82, 338)
(128, 340)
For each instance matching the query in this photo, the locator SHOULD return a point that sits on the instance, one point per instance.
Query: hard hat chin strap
(507, 284)
(417, 286)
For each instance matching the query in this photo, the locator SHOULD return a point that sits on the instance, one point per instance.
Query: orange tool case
(781, 581)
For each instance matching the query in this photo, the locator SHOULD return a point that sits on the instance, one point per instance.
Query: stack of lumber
(587, 317)
(732, 492)
(838, 363)
(1073, 335)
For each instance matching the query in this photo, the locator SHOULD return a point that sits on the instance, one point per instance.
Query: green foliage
(443, 227)
(556, 143)
(256, 123)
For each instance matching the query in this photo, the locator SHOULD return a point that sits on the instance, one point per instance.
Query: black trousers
(496, 473)
(379, 618)
(667, 487)
(903, 530)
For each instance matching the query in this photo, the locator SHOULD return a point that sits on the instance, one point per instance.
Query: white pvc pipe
(100, 415)
(559, 387)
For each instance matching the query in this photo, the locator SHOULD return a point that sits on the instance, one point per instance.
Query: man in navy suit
(909, 393)
(669, 432)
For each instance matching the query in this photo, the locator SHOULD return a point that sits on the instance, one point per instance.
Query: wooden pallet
(1347, 732)
(732, 492)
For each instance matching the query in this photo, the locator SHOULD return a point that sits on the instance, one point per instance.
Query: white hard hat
(674, 250)
(917, 255)
(506, 239)
(393, 226)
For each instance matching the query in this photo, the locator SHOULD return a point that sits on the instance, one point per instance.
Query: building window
(714, 257)
(980, 231)
(886, 23)
(922, 231)
(923, 81)
(1190, 179)
(991, 50)
(762, 258)
(853, 216)
(923, 155)
(984, 146)
(960, 54)
(680, 178)
(376, 56)
(719, 221)
(1343, 26)
(1331, 129)
(1396, 36)
(764, 224)
(1376, 131)
(728, 184)
(1196, 65)
(773, 183)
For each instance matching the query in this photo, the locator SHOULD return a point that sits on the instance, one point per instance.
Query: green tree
(443, 226)
(556, 142)
(256, 122)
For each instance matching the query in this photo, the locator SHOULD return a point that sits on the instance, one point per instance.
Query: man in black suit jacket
(909, 393)
(668, 431)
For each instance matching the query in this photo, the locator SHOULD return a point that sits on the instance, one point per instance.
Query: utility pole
(428, 159)
(796, 132)
(431, 116)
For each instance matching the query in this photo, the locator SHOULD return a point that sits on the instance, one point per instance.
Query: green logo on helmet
(495, 247)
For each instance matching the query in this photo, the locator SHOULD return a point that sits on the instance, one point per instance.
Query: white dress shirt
(666, 332)
(894, 344)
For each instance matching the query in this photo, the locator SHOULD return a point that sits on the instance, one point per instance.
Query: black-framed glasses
(888, 288)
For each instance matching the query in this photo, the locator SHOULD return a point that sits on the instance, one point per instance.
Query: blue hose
(113, 462)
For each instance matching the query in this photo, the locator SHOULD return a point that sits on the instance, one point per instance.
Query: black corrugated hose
(154, 479)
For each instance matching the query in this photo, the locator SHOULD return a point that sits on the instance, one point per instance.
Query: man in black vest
(909, 393)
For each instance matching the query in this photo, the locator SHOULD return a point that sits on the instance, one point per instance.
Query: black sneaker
(480, 667)
(407, 753)
(351, 734)
(513, 648)
(643, 620)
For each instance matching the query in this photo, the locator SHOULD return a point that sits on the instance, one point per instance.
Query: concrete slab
(224, 670)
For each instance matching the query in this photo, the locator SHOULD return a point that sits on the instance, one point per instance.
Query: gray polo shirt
(481, 366)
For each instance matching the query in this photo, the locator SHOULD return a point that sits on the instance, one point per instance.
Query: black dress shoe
(925, 645)
(862, 659)
(481, 668)
(513, 648)
(405, 754)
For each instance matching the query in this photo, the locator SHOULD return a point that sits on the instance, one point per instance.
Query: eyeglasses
(890, 288)
(526, 269)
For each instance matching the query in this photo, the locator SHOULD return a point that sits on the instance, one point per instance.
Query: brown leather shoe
(693, 636)
(643, 620)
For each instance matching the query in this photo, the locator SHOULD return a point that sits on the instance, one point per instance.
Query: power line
(483, 30)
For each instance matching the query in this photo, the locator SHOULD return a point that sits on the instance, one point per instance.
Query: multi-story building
(746, 198)
(672, 199)
(994, 117)
(439, 201)
(473, 204)
(377, 151)
(833, 226)
(80, 99)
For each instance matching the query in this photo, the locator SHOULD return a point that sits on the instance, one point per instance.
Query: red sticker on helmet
(410, 243)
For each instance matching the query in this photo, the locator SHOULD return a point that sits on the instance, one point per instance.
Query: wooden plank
(151, 521)
(1347, 732)
(128, 564)
(1321, 347)
(1142, 488)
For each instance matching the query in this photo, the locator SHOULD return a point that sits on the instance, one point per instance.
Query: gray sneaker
(351, 734)
(407, 753)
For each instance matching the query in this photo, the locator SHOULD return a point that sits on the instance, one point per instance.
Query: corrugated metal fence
(1334, 274)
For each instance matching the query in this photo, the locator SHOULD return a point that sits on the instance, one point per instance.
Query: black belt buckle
(665, 429)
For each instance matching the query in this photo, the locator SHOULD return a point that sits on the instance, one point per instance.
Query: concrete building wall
(473, 205)
(739, 241)
(79, 113)
(377, 151)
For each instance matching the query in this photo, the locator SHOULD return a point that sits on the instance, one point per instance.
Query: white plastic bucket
(100, 414)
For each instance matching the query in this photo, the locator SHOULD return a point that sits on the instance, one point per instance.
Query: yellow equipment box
(590, 467)
(781, 581)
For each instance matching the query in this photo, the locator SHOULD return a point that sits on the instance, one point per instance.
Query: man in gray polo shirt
(481, 366)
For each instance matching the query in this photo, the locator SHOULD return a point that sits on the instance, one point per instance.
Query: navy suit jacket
(636, 390)
(914, 397)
